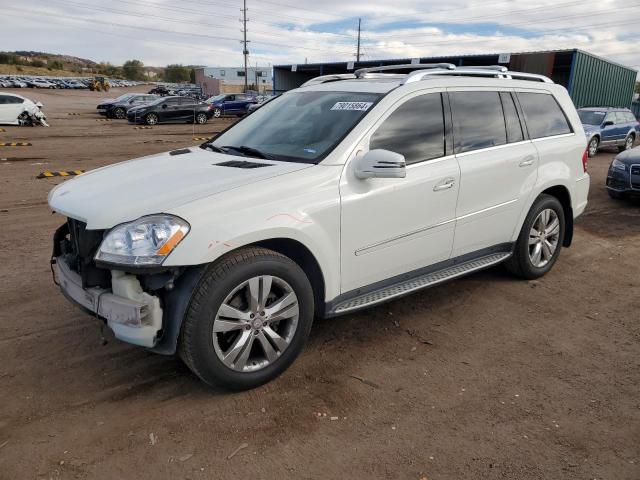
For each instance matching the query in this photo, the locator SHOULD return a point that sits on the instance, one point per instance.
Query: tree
(176, 73)
(637, 90)
(133, 70)
(192, 75)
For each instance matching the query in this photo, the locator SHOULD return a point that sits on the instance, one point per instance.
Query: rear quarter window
(543, 115)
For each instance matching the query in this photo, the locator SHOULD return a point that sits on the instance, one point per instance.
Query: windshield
(299, 126)
(216, 98)
(589, 117)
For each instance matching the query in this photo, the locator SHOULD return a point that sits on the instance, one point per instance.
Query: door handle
(444, 185)
(526, 162)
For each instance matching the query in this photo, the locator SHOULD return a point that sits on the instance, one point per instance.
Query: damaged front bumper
(134, 315)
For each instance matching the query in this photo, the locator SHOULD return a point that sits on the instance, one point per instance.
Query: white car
(15, 109)
(347, 192)
(42, 84)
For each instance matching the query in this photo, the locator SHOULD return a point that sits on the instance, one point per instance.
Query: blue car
(609, 127)
(623, 177)
(231, 104)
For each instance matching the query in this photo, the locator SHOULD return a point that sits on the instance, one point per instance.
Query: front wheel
(248, 319)
(540, 239)
(151, 119)
(217, 112)
(594, 143)
(201, 118)
(119, 113)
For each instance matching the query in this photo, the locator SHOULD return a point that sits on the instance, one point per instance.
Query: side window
(514, 129)
(415, 129)
(629, 117)
(13, 100)
(611, 117)
(543, 115)
(478, 121)
(230, 98)
(3, 99)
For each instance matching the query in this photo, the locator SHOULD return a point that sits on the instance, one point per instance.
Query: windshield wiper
(250, 152)
(214, 148)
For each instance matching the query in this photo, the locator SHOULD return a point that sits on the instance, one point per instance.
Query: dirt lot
(486, 377)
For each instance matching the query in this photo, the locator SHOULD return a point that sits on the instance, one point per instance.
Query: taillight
(585, 160)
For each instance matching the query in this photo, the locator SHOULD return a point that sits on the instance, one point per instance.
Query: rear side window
(543, 115)
(478, 121)
(415, 130)
(514, 129)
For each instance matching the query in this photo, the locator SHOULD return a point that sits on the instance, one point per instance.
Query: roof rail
(328, 78)
(421, 71)
(480, 71)
(407, 66)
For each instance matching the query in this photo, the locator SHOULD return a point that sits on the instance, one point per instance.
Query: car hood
(590, 128)
(125, 191)
(630, 157)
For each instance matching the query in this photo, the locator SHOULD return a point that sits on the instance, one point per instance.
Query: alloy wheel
(628, 142)
(593, 147)
(255, 323)
(543, 237)
(152, 119)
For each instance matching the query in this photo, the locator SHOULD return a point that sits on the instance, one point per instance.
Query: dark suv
(609, 127)
(231, 104)
(171, 110)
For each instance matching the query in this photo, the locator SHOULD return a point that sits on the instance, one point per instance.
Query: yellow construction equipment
(99, 84)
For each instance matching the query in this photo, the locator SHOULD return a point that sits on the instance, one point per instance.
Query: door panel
(496, 177)
(392, 226)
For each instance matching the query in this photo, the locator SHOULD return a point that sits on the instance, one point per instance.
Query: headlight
(146, 241)
(618, 165)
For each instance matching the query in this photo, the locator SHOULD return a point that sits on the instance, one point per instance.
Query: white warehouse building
(214, 80)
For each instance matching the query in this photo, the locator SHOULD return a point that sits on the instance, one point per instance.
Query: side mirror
(608, 123)
(380, 164)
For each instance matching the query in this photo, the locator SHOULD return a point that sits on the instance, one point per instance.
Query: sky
(208, 32)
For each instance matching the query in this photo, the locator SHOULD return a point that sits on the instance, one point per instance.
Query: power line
(245, 51)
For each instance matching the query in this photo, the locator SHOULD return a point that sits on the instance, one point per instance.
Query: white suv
(349, 191)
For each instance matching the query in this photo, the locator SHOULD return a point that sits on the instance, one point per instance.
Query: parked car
(16, 109)
(170, 110)
(609, 127)
(231, 104)
(623, 177)
(161, 90)
(38, 83)
(331, 198)
(261, 102)
(118, 107)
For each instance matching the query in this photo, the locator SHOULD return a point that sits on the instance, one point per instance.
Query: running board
(417, 283)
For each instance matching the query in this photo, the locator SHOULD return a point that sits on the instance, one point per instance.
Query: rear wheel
(248, 320)
(628, 143)
(540, 239)
(594, 143)
(151, 119)
(217, 112)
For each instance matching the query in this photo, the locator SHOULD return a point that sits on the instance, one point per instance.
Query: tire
(592, 148)
(217, 112)
(523, 262)
(628, 143)
(216, 357)
(151, 119)
(201, 118)
(119, 113)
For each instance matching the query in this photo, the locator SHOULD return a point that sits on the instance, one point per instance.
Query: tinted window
(172, 101)
(415, 129)
(514, 129)
(543, 115)
(478, 121)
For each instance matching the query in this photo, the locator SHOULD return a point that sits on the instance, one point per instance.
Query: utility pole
(245, 50)
(358, 51)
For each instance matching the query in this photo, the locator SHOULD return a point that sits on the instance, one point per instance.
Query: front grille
(635, 170)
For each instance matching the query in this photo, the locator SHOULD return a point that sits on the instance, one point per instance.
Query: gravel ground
(486, 377)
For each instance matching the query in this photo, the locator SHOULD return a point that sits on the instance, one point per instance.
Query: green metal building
(590, 80)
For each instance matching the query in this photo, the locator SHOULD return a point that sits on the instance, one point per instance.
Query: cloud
(207, 32)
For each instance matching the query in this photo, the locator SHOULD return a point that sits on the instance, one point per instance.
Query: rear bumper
(136, 321)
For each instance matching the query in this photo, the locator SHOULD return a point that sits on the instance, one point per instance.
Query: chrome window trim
(551, 137)
(495, 147)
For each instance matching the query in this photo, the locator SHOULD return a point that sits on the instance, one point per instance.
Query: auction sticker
(353, 106)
